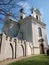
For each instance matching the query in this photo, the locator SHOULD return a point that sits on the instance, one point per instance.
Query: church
(24, 37)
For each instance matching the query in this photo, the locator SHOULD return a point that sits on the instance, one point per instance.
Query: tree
(11, 6)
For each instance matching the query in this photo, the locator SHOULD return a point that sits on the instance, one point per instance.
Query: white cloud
(24, 5)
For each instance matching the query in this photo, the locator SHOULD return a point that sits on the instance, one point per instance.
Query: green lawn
(34, 60)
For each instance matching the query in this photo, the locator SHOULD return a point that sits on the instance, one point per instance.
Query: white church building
(24, 37)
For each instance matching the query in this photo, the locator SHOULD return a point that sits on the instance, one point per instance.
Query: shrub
(47, 51)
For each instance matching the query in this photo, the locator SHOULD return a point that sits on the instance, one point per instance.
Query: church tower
(35, 13)
(39, 32)
(22, 14)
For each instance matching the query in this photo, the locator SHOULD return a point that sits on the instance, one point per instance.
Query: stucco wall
(6, 50)
(26, 29)
(11, 29)
(36, 50)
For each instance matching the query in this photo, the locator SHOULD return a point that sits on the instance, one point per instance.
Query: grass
(34, 60)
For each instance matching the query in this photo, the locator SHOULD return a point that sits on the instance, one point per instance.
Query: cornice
(31, 19)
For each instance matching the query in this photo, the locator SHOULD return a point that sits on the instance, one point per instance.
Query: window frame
(37, 17)
(40, 32)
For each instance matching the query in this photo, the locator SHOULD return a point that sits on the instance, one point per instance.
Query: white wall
(26, 29)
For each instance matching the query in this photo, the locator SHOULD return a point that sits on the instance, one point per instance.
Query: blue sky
(43, 6)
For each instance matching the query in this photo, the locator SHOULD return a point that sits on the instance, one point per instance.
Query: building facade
(23, 38)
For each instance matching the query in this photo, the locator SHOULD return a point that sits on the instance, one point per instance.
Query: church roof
(13, 20)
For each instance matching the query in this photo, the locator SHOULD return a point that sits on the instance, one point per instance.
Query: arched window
(21, 17)
(40, 32)
(21, 10)
(36, 17)
(32, 12)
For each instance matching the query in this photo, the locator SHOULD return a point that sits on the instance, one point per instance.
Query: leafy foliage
(11, 6)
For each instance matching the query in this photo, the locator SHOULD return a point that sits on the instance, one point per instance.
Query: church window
(21, 10)
(32, 12)
(29, 15)
(40, 32)
(36, 17)
(21, 17)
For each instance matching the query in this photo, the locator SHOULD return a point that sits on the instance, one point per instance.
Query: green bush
(47, 51)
